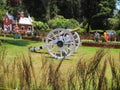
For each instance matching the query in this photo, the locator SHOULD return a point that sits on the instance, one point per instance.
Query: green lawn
(17, 47)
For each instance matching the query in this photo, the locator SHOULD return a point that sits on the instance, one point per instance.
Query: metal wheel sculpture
(60, 43)
(77, 40)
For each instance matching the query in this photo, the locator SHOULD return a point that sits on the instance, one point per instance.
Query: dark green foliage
(118, 32)
(14, 7)
(69, 8)
(88, 10)
(98, 14)
(2, 11)
(114, 22)
(41, 9)
(13, 3)
(104, 11)
(35, 8)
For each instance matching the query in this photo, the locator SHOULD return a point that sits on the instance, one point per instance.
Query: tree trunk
(88, 28)
(48, 11)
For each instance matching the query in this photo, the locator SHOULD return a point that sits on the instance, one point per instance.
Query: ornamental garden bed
(85, 42)
(33, 38)
(101, 44)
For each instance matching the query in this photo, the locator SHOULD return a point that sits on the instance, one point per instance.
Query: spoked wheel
(60, 43)
(77, 40)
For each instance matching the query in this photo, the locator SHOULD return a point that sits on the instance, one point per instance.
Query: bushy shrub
(72, 23)
(61, 22)
(81, 31)
(118, 32)
(118, 35)
(41, 26)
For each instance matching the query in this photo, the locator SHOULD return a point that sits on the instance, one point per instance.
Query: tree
(89, 8)
(13, 3)
(69, 8)
(41, 9)
(14, 7)
(104, 12)
(117, 17)
(51, 10)
(114, 22)
(2, 11)
(35, 8)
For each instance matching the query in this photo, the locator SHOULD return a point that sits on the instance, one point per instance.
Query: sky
(118, 5)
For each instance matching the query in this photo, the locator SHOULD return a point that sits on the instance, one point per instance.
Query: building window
(9, 27)
(22, 27)
(29, 28)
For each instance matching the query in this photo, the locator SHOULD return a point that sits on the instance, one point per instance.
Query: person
(97, 36)
(5, 30)
(112, 36)
(106, 36)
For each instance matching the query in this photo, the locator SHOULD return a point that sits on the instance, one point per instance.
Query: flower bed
(100, 44)
(85, 42)
(32, 38)
(86, 37)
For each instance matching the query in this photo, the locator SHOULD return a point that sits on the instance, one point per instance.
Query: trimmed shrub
(99, 31)
(81, 31)
(41, 26)
(72, 23)
(118, 32)
(61, 22)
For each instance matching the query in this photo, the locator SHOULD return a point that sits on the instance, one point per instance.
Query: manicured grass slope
(85, 59)
(16, 46)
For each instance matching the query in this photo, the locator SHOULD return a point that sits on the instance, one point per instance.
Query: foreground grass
(87, 69)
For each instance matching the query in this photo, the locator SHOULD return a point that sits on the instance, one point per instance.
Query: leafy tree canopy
(95, 14)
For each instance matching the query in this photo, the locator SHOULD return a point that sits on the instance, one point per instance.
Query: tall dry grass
(88, 74)
(115, 69)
